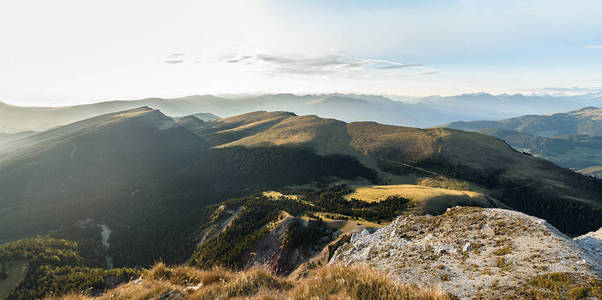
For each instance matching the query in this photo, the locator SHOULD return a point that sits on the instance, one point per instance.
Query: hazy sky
(77, 51)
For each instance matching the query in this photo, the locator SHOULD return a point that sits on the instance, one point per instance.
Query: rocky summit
(471, 252)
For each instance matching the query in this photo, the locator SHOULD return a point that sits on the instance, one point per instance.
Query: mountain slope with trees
(156, 183)
(149, 178)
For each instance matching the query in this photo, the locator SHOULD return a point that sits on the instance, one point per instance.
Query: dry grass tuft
(356, 282)
(254, 282)
(329, 282)
(562, 286)
(183, 276)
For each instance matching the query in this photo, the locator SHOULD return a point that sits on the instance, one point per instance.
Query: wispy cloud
(238, 59)
(329, 64)
(173, 61)
(174, 58)
(593, 47)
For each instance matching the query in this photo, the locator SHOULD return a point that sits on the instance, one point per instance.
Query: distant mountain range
(572, 139)
(584, 121)
(415, 112)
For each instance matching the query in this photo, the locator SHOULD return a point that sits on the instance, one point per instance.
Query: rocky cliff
(472, 252)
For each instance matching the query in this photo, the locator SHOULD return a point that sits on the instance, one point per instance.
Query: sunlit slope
(526, 183)
(426, 200)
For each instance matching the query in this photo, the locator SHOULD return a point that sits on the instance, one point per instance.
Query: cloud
(327, 65)
(174, 58)
(427, 73)
(400, 66)
(593, 47)
(238, 59)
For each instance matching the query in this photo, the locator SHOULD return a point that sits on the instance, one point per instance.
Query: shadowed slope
(146, 176)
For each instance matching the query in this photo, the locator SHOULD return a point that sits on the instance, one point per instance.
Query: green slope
(585, 121)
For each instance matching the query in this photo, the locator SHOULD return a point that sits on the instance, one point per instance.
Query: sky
(65, 52)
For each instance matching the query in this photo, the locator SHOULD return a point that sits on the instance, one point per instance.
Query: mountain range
(583, 121)
(572, 139)
(133, 187)
(138, 155)
(415, 112)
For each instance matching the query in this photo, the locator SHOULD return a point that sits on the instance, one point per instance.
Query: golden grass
(278, 195)
(329, 282)
(297, 130)
(426, 200)
(252, 125)
(356, 282)
(344, 224)
(415, 193)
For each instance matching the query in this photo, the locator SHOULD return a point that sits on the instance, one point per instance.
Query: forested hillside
(146, 177)
(53, 266)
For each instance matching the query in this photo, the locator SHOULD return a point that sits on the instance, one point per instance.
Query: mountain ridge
(583, 121)
(423, 112)
(570, 139)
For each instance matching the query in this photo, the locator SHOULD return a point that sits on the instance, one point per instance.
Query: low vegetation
(55, 267)
(331, 282)
(306, 235)
(425, 199)
(562, 286)
(332, 199)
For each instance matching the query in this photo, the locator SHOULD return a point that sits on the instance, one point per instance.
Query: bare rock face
(592, 242)
(473, 251)
(270, 252)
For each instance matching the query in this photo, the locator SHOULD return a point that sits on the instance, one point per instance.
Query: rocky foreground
(471, 252)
